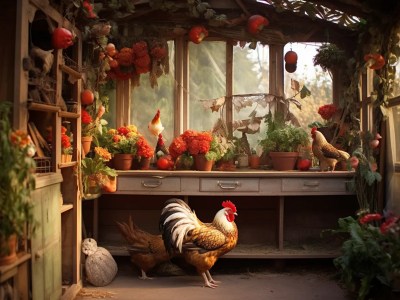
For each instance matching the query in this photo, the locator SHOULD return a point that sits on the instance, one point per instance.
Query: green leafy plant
(17, 179)
(329, 56)
(95, 170)
(370, 259)
(282, 137)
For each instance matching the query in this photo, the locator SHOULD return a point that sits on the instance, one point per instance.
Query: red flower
(86, 117)
(327, 111)
(369, 218)
(177, 147)
(123, 131)
(143, 148)
(65, 141)
(389, 223)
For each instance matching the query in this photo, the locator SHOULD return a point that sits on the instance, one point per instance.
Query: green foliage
(282, 137)
(370, 259)
(329, 56)
(17, 180)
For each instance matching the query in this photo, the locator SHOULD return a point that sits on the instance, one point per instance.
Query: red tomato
(291, 57)
(197, 34)
(303, 164)
(87, 97)
(163, 163)
(62, 38)
(256, 23)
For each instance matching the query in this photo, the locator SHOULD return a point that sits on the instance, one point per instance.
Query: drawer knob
(228, 185)
(151, 183)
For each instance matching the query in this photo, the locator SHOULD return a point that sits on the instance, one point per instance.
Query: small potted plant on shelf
(96, 175)
(17, 181)
(144, 153)
(66, 147)
(282, 141)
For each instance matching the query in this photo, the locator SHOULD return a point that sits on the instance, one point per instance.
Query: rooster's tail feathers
(177, 219)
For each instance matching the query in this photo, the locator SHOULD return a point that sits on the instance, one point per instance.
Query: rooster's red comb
(313, 130)
(229, 204)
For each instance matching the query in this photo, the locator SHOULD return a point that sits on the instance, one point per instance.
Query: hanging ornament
(290, 68)
(256, 23)
(291, 57)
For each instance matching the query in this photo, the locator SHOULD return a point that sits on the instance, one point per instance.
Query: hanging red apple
(87, 97)
(256, 23)
(374, 61)
(197, 34)
(62, 38)
(291, 57)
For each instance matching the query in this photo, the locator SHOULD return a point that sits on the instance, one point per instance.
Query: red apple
(303, 164)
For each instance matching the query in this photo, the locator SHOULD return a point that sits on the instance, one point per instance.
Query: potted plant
(281, 142)
(369, 264)
(17, 181)
(96, 175)
(329, 57)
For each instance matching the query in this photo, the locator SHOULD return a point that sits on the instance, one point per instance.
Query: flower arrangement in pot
(17, 181)
(283, 139)
(199, 145)
(91, 125)
(144, 153)
(66, 146)
(96, 175)
(122, 144)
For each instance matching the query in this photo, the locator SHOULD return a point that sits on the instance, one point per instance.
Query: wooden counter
(281, 214)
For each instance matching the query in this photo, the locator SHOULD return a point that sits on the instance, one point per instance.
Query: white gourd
(100, 266)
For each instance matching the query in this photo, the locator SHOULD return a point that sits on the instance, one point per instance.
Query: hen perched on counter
(327, 154)
(146, 250)
(201, 244)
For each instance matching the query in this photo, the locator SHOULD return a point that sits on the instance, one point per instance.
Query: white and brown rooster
(155, 126)
(327, 154)
(201, 244)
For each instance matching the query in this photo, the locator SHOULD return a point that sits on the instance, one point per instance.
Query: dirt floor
(239, 279)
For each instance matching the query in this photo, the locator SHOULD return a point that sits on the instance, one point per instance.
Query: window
(145, 100)
(314, 78)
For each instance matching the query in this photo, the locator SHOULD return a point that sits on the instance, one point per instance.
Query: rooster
(146, 250)
(327, 154)
(155, 126)
(201, 244)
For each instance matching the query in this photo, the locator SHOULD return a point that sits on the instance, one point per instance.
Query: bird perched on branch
(327, 154)
(155, 126)
(146, 250)
(201, 244)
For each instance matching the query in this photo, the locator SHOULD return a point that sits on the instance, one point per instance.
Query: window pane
(207, 73)
(396, 120)
(396, 81)
(250, 76)
(146, 100)
(314, 78)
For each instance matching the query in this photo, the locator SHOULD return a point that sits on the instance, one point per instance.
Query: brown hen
(146, 250)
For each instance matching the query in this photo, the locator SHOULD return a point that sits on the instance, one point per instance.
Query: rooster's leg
(207, 283)
(144, 276)
(210, 279)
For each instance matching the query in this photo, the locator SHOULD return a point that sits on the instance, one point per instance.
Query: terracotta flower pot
(86, 143)
(283, 161)
(202, 164)
(8, 250)
(122, 161)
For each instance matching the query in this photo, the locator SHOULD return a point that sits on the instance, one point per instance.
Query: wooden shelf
(258, 251)
(43, 107)
(68, 115)
(67, 165)
(66, 207)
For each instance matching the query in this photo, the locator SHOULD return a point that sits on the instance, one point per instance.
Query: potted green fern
(282, 141)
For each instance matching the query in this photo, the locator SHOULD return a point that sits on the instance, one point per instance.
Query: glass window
(396, 120)
(314, 78)
(146, 100)
(250, 76)
(207, 80)
(396, 82)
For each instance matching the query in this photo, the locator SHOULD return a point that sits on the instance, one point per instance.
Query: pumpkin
(256, 23)
(100, 266)
(374, 61)
(197, 34)
(291, 57)
(62, 38)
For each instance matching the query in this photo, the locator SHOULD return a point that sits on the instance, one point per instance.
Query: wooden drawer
(323, 185)
(229, 185)
(159, 184)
